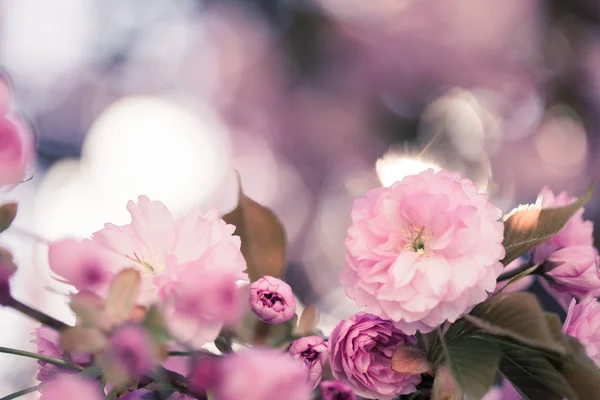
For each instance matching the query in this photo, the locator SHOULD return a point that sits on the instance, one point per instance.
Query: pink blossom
(16, 151)
(47, 339)
(154, 235)
(84, 264)
(71, 387)
(132, 351)
(583, 323)
(262, 374)
(360, 352)
(272, 300)
(423, 251)
(312, 352)
(336, 390)
(569, 261)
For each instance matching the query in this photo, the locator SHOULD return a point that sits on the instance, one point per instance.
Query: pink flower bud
(131, 350)
(336, 390)
(16, 151)
(272, 300)
(574, 270)
(583, 323)
(71, 387)
(312, 352)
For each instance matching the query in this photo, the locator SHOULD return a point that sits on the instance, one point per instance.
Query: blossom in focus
(568, 260)
(47, 341)
(360, 352)
(154, 235)
(131, 351)
(336, 390)
(84, 264)
(7, 269)
(16, 151)
(423, 251)
(71, 387)
(272, 300)
(312, 352)
(583, 323)
(262, 374)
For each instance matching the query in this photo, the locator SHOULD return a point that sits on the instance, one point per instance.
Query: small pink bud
(336, 390)
(312, 352)
(272, 300)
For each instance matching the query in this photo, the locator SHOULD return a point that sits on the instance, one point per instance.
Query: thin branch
(51, 360)
(38, 315)
(511, 274)
(21, 393)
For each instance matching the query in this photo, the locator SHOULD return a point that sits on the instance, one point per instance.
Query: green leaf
(89, 310)
(410, 360)
(8, 212)
(581, 372)
(122, 295)
(473, 362)
(155, 324)
(263, 237)
(518, 316)
(534, 376)
(525, 228)
(444, 386)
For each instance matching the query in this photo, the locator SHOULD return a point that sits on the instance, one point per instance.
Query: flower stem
(21, 393)
(511, 274)
(51, 360)
(37, 315)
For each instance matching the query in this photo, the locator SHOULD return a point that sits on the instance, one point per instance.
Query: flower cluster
(428, 260)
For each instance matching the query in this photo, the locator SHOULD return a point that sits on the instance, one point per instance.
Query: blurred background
(313, 102)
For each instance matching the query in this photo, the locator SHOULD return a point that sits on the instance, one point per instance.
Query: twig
(511, 274)
(51, 360)
(21, 393)
(37, 315)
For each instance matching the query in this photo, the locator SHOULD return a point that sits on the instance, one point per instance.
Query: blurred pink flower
(262, 374)
(16, 151)
(312, 352)
(154, 234)
(423, 251)
(200, 299)
(84, 264)
(583, 323)
(71, 387)
(204, 374)
(132, 351)
(272, 300)
(47, 339)
(360, 353)
(568, 260)
(336, 390)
